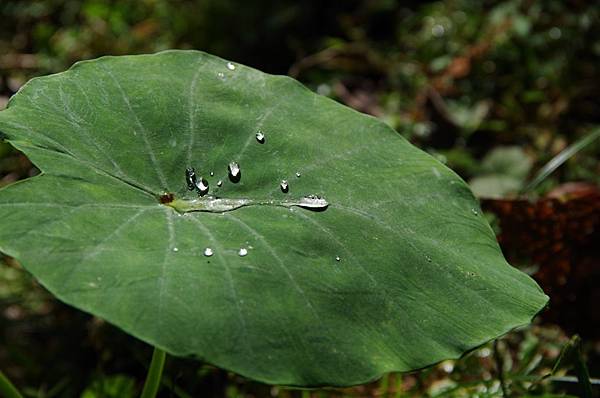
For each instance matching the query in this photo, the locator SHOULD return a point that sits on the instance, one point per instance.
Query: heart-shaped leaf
(396, 271)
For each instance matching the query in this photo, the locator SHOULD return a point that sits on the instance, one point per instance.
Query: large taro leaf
(398, 272)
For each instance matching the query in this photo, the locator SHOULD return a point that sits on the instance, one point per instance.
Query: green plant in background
(312, 245)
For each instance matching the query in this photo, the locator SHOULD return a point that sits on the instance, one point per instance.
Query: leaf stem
(154, 374)
(7, 389)
(500, 369)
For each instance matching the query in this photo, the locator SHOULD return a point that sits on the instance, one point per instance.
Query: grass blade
(561, 158)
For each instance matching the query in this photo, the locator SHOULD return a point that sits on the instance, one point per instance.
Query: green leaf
(420, 277)
(509, 161)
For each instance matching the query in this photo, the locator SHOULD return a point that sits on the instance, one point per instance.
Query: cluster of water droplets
(199, 184)
(208, 252)
(195, 182)
(230, 66)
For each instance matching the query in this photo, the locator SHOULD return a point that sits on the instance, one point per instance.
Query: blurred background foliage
(494, 89)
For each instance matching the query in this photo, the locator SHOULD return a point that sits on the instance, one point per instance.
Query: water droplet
(221, 75)
(175, 249)
(298, 174)
(243, 252)
(474, 211)
(219, 183)
(260, 137)
(428, 259)
(234, 171)
(285, 187)
(208, 252)
(230, 66)
(190, 178)
(313, 202)
(337, 258)
(212, 174)
(202, 186)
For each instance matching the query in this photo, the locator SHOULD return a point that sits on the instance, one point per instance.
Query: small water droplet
(175, 249)
(219, 183)
(190, 178)
(208, 252)
(285, 187)
(173, 142)
(212, 174)
(298, 174)
(221, 75)
(337, 258)
(260, 137)
(234, 171)
(202, 186)
(474, 211)
(428, 259)
(243, 252)
(230, 66)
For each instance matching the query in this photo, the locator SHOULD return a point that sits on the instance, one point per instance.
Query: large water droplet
(260, 137)
(220, 205)
(234, 171)
(190, 178)
(243, 252)
(208, 252)
(285, 187)
(230, 66)
(313, 202)
(202, 186)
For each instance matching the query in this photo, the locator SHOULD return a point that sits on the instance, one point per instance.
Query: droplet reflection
(235, 173)
(285, 187)
(202, 186)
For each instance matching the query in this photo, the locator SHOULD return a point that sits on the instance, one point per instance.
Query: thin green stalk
(581, 370)
(398, 385)
(7, 389)
(384, 385)
(154, 374)
(559, 159)
(500, 370)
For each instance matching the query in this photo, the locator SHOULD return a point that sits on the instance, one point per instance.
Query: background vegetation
(493, 89)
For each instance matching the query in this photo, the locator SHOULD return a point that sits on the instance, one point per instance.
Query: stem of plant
(7, 389)
(500, 369)
(154, 374)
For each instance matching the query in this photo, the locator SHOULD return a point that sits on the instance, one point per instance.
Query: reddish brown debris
(560, 234)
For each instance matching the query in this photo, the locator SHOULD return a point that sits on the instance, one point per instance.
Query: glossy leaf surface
(398, 271)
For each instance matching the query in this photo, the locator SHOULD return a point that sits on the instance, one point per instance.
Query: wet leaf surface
(399, 271)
